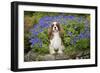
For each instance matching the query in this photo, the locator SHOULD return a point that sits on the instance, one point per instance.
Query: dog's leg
(60, 51)
(51, 50)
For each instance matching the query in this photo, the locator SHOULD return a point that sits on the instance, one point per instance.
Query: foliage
(76, 31)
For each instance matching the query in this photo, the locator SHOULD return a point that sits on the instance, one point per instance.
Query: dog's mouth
(55, 29)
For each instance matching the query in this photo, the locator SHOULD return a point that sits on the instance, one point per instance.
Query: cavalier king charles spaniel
(55, 33)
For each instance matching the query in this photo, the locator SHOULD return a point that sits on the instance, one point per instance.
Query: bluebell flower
(44, 25)
(59, 16)
(65, 17)
(69, 33)
(35, 32)
(71, 17)
(79, 19)
(41, 21)
(36, 26)
(40, 30)
(81, 35)
(34, 41)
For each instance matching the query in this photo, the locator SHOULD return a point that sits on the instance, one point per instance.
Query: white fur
(56, 41)
(55, 44)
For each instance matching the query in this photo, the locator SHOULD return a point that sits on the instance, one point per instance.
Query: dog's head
(55, 27)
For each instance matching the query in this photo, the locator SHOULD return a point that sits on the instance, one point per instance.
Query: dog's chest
(56, 41)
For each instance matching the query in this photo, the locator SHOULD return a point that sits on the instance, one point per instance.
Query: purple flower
(36, 26)
(79, 19)
(46, 21)
(71, 17)
(69, 33)
(34, 32)
(34, 41)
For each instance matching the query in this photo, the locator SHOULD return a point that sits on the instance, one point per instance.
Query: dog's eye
(52, 25)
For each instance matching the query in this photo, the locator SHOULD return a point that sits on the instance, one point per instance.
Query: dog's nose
(55, 27)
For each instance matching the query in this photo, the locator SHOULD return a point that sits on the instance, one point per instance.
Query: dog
(55, 33)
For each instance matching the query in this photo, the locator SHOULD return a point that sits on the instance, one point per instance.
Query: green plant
(76, 37)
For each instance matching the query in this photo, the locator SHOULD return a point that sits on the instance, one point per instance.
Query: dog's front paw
(52, 52)
(60, 52)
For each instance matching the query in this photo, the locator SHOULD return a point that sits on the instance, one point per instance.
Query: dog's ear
(49, 32)
(58, 25)
(61, 31)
